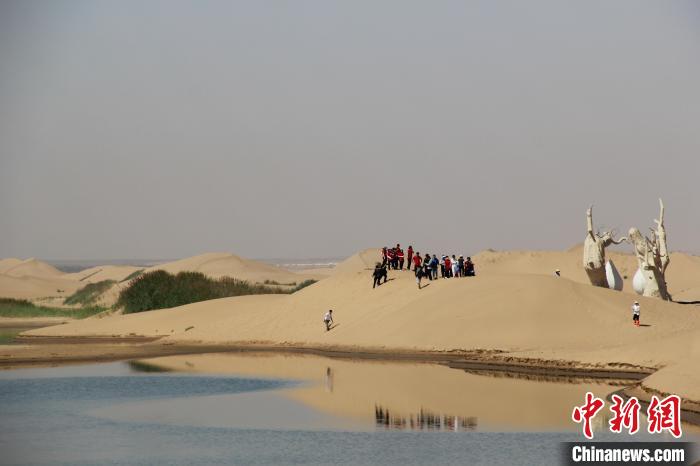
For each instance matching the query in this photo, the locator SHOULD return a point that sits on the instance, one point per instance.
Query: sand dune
(504, 308)
(503, 311)
(36, 287)
(103, 272)
(34, 279)
(683, 272)
(218, 265)
(6, 264)
(32, 268)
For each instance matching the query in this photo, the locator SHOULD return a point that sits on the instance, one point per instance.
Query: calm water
(114, 414)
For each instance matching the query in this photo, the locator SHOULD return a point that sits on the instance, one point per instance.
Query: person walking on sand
(448, 267)
(417, 261)
(418, 270)
(328, 319)
(409, 257)
(400, 257)
(377, 274)
(635, 313)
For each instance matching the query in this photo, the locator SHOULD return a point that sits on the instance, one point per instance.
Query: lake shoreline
(37, 351)
(476, 360)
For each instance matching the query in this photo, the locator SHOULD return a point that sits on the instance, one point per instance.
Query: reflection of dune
(406, 390)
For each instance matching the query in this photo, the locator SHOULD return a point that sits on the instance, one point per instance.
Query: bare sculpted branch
(594, 252)
(653, 258)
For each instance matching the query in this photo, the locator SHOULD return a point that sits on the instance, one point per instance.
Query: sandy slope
(103, 272)
(683, 272)
(526, 314)
(36, 287)
(30, 268)
(37, 280)
(7, 264)
(229, 265)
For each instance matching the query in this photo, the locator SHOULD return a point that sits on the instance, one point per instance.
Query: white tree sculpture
(594, 252)
(652, 257)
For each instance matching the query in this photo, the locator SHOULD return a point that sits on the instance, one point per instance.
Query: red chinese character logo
(587, 412)
(626, 415)
(665, 415)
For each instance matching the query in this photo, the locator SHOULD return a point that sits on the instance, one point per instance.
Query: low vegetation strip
(89, 293)
(132, 275)
(22, 308)
(160, 290)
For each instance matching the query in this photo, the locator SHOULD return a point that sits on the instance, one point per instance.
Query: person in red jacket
(409, 257)
(401, 258)
(391, 256)
(448, 267)
(417, 261)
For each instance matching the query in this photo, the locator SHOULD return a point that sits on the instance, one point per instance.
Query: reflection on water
(423, 420)
(282, 409)
(408, 395)
(329, 380)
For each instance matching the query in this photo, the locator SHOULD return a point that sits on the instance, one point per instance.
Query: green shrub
(303, 285)
(275, 282)
(22, 308)
(132, 275)
(89, 293)
(160, 289)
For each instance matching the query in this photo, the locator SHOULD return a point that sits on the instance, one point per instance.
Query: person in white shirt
(328, 319)
(635, 313)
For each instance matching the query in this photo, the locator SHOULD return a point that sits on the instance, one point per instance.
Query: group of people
(423, 267)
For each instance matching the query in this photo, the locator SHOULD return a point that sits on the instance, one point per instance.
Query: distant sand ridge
(40, 282)
(514, 305)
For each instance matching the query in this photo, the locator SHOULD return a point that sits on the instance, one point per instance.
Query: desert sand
(515, 307)
(218, 265)
(44, 284)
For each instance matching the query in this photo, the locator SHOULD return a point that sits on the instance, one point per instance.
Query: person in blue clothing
(434, 262)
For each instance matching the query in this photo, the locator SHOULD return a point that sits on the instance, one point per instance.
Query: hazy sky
(162, 129)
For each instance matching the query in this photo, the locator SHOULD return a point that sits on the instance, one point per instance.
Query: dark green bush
(89, 293)
(132, 275)
(160, 289)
